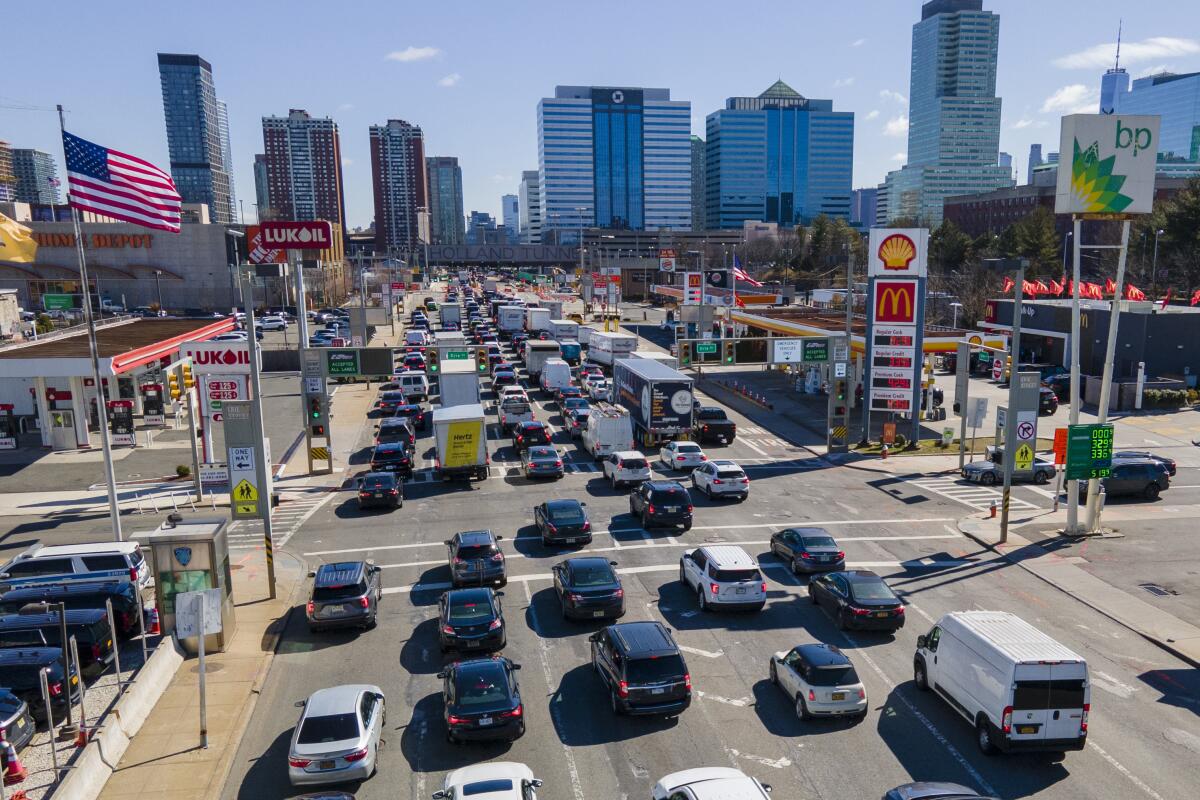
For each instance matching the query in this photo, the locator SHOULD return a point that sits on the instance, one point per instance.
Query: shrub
(183, 470)
(43, 323)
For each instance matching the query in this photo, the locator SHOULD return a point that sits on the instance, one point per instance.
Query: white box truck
(555, 307)
(1021, 689)
(584, 334)
(537, 351)
(537, 319)
(458, 383)
(450, 314)
(564, 330)
(608, 348)
(654, 355)
(511, 319)
(461, 436)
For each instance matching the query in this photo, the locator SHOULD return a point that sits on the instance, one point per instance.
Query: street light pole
(158, 288)
(1153, 265)
(1010, 425)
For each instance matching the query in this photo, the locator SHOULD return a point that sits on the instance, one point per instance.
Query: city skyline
(446, 84)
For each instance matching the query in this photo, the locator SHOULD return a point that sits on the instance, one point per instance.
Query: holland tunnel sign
(314, 235)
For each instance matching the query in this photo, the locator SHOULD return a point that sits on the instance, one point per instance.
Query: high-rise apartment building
(445, 199)
(262, 191)
(304, 167)
(399, 180)
(482, 229)
(1174, 98)
(954, 113)
(510, 215)
(530, 208)
(613, 157)
(36, 177)
(1035, 161)
(197, 134)
(8, 181)
(778, 157)
(699, 182)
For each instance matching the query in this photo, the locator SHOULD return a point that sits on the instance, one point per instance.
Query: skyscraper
(530, 202)
(227, 157)
(8, 181)
(1174, 98)
(304, 167)
(197, 136)
(36, 175)
(398, 176)
(510, 214)
(699, 181)
(613, 157)
(863, 206)
(954, 113)
(262, 191)
(1035, 161)
(445, 199)
(778, 157)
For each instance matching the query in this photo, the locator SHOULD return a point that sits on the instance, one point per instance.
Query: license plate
(1027, 729)
(326, 765)
(657, 691)
(597, 613)
(671, 509)
(741, 591)
(485, 720)
(335, 609)
(473, 644)
(20, 724)
(881, 613)
(571, 541)
(838, 696)
(379, 494)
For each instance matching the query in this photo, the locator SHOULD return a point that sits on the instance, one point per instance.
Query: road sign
(197, 611)
(455, 355)
(1025, 430)
(341, 362)
(839, 369)
(1024, 458)
(706, 347)
(245, 491)
(815, 349)
(997, 369)
(314, 385)
(976, 411)
(1089, 451)
(242, 459)
(212, 474)
(1060, 446)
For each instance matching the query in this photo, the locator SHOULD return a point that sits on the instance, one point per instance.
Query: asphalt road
(1145, 732)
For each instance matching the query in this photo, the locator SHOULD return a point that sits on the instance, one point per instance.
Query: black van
(19, 670)
(88, 626)
(82, 595)
(643, 669)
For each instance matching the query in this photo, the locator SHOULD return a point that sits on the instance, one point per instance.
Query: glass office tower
(197, 135)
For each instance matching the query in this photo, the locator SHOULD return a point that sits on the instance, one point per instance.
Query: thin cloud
(346, 162)
(1026, 122)
(1102, 55)
(840, 82)
(896, 126)
(1073, 99)
(498, 178)
(1155, 70)
(873, 113)
(888, 94)
(858, 42)
(346, 107)
(899, 156)
(410, 54)
(450, 80)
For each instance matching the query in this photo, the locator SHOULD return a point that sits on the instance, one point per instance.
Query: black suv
(661, 503)
(21, 667)
(527, 434)
(88, 626)
(392, 457)
(344, 595)
(643, 669)
(122, 594)
(395, 429)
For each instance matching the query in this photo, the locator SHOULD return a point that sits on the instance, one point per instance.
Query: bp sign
(1107, 164)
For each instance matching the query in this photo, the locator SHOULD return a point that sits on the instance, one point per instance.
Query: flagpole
(114, 510)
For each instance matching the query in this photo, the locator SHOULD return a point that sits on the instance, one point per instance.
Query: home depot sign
(217, 357)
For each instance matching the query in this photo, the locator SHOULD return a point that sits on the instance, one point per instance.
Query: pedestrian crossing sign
(245, 492)
(1024, 458)
(245, 509)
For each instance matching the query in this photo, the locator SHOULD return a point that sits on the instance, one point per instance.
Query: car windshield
(736, 575)
(872, 590)
(710, 413)
(566, 514)
(818, 541)
(393, 397)
(572, 403)
(592, 575)
(494, 786)
(654, 669)
(839, 675)
(542, 453)
(482, 687)
(329, 728)
(470, 551)
(668, 496)
(730, 473)
(633, 463)
(373, 482)
(324, 594)
(515, 407)
(469, 612)
(687, 448)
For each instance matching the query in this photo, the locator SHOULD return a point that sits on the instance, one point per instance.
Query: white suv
(272, 323)
(625, 467)
(723, 576)
(710, 783)
(498, 780)
(721, 478)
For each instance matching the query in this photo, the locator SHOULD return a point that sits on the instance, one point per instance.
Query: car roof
(664, 486)
(925, 790)
(823, 655)
(495, 770)
(474, 594)
(861, 576)
(391, 447)
(728, 555)
(644, 638)
(563, 502)
(586, 562)
(67, 589)
(476, 666)
(29, 655)
(77, 616)
(88, 549)
(623, 454)
(336, 699)
(724, 462)
(542, 450)
(808, 531)
(342, 573)
(388, 476)
(475, 537)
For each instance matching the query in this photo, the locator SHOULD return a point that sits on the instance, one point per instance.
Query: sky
(471, 74)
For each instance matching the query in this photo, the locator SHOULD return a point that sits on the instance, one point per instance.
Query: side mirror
(439, 795)
(595, 637)
(921, 640)
(535, 783)
(514, 666)
(311, 574)
(446, 542)
(300, 703)
(499, 593)
(767, 788)
(441, 675)
(498, 538)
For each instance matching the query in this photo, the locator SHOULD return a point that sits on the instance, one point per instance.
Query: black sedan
(414, 413)
(392, 457)
(482, 701)
(470, 619)
(563, 522)
(858, 599)
(542, 461)
(588, 588)
(807, 549)
(380, 490)
(389, 401)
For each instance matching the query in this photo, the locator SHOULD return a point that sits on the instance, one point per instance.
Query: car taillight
(764, 586)
(680, 458)
(1006, 720)
(862, 694)
(705, 428)
(133, 576)
(687, 681)
(364, 602)
(516, 712)
(619, 593)
(716, 589)
(650, 508)
(812, 695)
(453, 720)
(495, 625)
(587, 525)
(458, 560)
(298, 762)
(393, 491)
(558, 463)
(498, 557)
(310, 607)
(1083, 723)
(96, 651)
(858, 612)
(690, 507)
(448, 629)
(56, 689)
(716, 482)
(704, 458)
(899, 610)
(623, 689)
(357, 755)
(841, 554)
(574, 598)
(364, 494)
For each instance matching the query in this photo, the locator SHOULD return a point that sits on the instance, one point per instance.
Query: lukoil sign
(1111, 170)
(313, 235)
(217, 357)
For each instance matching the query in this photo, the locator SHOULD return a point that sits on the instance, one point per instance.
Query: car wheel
(1041, 478)
(708, 492)
(983, 737)
(812, 597)
(372, 622)
(796, 570)
(919, 676)
(645, 522)
(774, 674)
(682, 576)
(703, 601)
(842, 622)
(1151, 492)
(614, 482)
(802, 708)
(988, 479)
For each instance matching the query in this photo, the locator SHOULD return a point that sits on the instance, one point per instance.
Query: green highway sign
(341, 362)
(456, 355)
(706, 347)
(815, 349)
(1089, 451)
(58, 302)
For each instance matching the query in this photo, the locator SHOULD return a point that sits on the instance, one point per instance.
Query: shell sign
(898, 251)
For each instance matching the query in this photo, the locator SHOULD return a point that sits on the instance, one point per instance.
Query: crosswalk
(295, 507)
(970, 494)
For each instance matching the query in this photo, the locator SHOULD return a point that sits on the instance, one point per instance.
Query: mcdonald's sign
(895, 302)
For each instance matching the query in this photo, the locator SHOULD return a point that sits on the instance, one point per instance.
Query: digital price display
(882, 404)
(893, 341)
(1089, 451)
(902, 362)
(891, 383)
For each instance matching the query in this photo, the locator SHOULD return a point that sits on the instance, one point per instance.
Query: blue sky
(471, 73)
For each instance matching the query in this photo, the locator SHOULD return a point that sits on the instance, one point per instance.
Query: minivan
(642, 668)
(42, 563)
(1021, 689)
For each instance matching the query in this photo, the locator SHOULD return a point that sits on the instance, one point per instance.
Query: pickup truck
(711, 425)
(514, 411)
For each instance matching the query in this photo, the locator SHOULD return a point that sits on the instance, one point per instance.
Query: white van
(556, 374)
(609, 429)
(1021, 689)
(42, 563)
(414, 384)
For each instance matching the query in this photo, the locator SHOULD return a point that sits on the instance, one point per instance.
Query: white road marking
(1119, 767)
(740, 702)
(776, 763)
(1110, 684)
(698, 652)
(755, 448)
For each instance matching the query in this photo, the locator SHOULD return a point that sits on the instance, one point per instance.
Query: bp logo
(183, 555)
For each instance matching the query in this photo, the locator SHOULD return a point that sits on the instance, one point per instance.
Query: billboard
(894, 302)
(903, 252)
(666, 260)
(258, 252)
(1112, 160)
(311, 235)
(693, 288)
(231, 358)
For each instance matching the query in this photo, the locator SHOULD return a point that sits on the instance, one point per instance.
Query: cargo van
(1021, 689)
(556, 374)
(609, 430)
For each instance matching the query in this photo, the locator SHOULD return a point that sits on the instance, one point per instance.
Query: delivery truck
(510, 319)
(461, 436)
(450, 314)
(555, 308)
(607, 348)
(659, 399)
(458, 382)
(564, 330)
(655, 355)
(537, 320)
(571, 352)
(537, 352)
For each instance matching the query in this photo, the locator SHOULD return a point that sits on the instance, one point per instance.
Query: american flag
(120, 186)
(740, 274)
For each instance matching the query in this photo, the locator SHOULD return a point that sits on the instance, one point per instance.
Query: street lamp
(956, 307)
(1066, 239)
(235, 235)
(158, 287)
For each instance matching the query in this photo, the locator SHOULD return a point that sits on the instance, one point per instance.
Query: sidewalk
(1164, 629)
(165, 761)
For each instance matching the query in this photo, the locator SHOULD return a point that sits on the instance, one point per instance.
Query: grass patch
(933, 447)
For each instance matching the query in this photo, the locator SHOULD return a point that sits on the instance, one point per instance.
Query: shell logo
(897, 252)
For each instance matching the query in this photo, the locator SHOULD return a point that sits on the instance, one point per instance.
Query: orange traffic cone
(14, 770)
(83, 736)
(884, 452)
(155, 626)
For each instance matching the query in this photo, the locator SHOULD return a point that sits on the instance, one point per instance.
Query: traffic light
(685, 353)
(315, 407)
(481, 359)
(188, 380)
(318, 430)
(727, 355)
(173, 386)
(839, 396)
(431, 360)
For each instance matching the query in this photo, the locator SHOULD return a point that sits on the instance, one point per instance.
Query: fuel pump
(120, 421)
(153, 411)
(8, 427)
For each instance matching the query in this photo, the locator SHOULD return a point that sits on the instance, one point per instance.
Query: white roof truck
(461, 435)
(1019, 688)
(607, 348)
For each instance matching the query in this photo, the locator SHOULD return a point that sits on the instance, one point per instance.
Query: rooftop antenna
(1117, 66)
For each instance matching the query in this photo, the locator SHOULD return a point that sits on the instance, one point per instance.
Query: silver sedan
(337, 736)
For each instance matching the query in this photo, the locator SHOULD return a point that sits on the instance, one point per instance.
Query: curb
(1182, 656)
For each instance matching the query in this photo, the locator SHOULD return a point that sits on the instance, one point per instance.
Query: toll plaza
(48, 385)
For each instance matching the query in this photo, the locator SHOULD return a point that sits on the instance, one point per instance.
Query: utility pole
(1072, 526)
(1010, 425)
(261, 466)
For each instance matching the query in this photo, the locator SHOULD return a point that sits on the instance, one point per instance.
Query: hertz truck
(461, 434)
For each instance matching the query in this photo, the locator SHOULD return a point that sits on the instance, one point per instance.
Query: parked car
(710, 783)
(542, 461)
(337, 736)
(271, 323)
(723, 576)
(625, 467)
(123, 595)
(661, 503)
(476, 559)
(857, 599)
(89, 626)
(495, 780)
(15, 720)
(471, 619)
(642, 669)
(562, 521)
(380, 490)
(807, 550)
(1047, 402)
(41, 563)
(820, 680)
(22, 668)
(482, 700)
(933, 790)
(344, 595)
(588, 588)
(721, 478)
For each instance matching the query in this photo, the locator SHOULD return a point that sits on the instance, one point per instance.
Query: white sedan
(681, 456)
(721, 478)
(498, 780)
